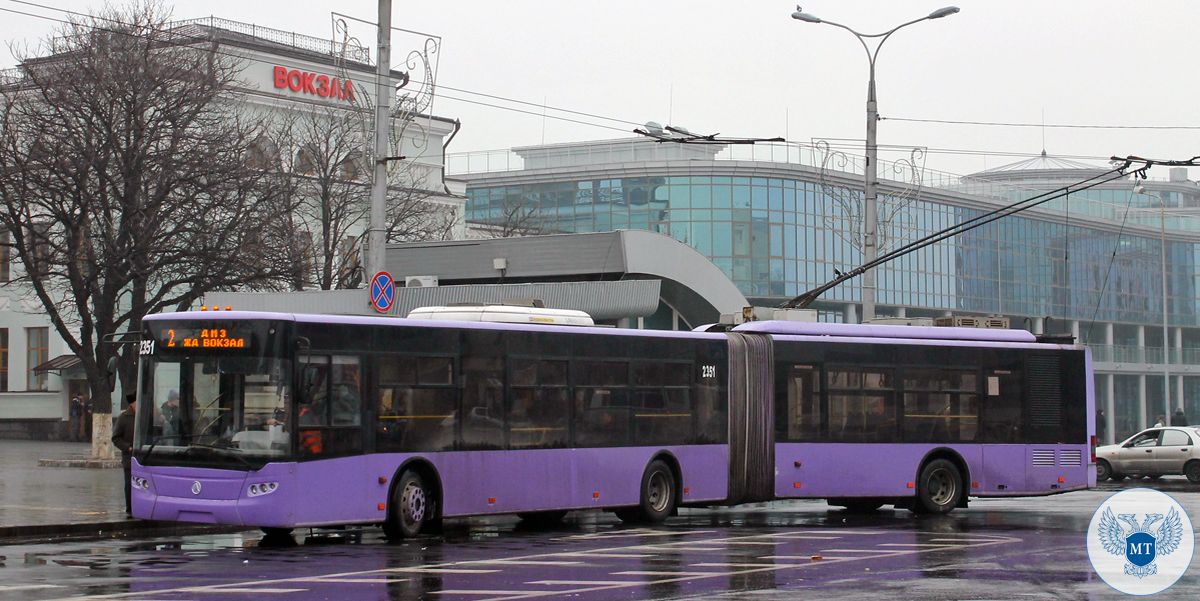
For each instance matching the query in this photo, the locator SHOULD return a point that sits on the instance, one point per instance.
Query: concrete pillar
(1039, 325)
(1141, 420)
(1179, 391)
(1141, 344)
(1075, 329)
(1110, 408)
(901, 312)
(850, 313)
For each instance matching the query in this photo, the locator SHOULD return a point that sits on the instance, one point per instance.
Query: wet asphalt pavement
(998, 549)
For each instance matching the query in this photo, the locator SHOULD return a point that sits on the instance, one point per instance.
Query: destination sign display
(203, 337)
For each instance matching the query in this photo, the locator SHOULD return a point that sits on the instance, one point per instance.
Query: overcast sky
(749, 69)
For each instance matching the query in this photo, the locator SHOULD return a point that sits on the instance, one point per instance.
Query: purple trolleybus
(283, 421)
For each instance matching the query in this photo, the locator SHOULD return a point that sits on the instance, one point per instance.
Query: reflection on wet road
(1018, 548)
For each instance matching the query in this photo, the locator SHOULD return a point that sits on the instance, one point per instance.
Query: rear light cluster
(141, 483)
(263, 488)
(1093, 448)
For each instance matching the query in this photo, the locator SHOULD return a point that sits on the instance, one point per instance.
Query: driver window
(1147, 439)
(1175, 438)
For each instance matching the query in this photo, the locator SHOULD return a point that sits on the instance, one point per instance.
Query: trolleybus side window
(601, 405)
(802, 420)
(1002, 401)
(941, 405)
(662, 406)
(330, 405)
(540, 413)
(483, 390)
(862, 404)
(417, 403)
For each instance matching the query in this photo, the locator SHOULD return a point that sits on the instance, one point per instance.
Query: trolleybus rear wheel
(411, 507)
(658, 496)
(939, 488)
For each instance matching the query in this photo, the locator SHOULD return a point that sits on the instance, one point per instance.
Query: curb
(88, 463)
(99, 530)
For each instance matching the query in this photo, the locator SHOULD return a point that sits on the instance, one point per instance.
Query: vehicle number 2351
(708, 371)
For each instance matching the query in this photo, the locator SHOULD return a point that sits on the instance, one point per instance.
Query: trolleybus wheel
(411, 507)
(658, 496)
(1103, 471)
(1192, 471)
(940, 487)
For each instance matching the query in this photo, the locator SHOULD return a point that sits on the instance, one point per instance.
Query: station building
(776, 223)
(282, 74)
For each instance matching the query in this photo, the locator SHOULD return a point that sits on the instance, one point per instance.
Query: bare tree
(330, 186)
(126, 183)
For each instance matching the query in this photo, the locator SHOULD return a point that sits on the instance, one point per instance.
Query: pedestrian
(1178, 418)
(75, 426)
(1101, 424)
(122, 438)
(1161, 421)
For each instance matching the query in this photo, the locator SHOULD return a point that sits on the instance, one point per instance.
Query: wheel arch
(424, 468)
(672, 462)
(954, 457)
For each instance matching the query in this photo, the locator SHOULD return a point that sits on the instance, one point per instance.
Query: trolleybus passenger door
(1004, 461)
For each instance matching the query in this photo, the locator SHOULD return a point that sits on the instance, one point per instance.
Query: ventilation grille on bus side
(1070, 457)
(1045, 391)
(1043, 457)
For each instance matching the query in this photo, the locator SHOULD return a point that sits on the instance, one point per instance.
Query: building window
(3, 359)
(37, 343)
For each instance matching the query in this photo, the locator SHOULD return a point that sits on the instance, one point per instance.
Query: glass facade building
(1087, 264)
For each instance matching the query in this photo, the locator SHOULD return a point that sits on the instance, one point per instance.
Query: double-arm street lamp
(870, 225)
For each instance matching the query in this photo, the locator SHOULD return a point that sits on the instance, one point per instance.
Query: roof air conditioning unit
(420, 281)
(971, 321)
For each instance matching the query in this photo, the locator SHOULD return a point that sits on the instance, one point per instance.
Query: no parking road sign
(383, 291)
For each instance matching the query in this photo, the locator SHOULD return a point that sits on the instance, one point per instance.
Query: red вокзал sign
(305, 82)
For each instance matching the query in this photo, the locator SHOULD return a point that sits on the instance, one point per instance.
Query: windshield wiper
(224, 451)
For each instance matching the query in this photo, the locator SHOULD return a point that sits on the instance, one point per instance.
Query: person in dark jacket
(122, 438)
(1179, 418)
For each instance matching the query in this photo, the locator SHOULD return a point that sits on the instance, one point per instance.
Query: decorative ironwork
(407, 106)
(845, 216)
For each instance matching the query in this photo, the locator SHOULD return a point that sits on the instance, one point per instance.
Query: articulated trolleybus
(283, 421)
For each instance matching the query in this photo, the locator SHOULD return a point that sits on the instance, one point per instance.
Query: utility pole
(377, 230)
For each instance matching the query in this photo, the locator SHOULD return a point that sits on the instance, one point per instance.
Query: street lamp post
(870, 225)
(1162, 238)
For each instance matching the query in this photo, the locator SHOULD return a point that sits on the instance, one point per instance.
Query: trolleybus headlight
(141, 483)
(261, 488)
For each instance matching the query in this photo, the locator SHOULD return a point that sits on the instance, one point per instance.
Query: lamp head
(807, 18)
(942, 12)
(1139, 189)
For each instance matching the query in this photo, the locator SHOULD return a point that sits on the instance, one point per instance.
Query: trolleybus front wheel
(939, 488)
(658, 496)
(411, 508)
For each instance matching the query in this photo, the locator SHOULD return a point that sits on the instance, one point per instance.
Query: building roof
(1042, 166)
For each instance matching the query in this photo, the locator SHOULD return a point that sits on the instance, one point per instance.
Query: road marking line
(441, 570)
(28, 587)
(669, 574)
(807, 537)
(795, 557)
(942, 546)
(962, 540)
(747, 565)
(320, 579)
(483, 592)
(880, 551)
(218, 589)
(680, 548)
(601, 554)
(523, 562)
(586, 582)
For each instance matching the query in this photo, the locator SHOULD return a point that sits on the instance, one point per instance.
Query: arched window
(262, 154)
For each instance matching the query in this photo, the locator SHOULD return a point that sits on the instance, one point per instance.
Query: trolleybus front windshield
(211, 396)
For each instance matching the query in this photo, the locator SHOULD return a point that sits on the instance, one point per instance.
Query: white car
(1152, 452)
